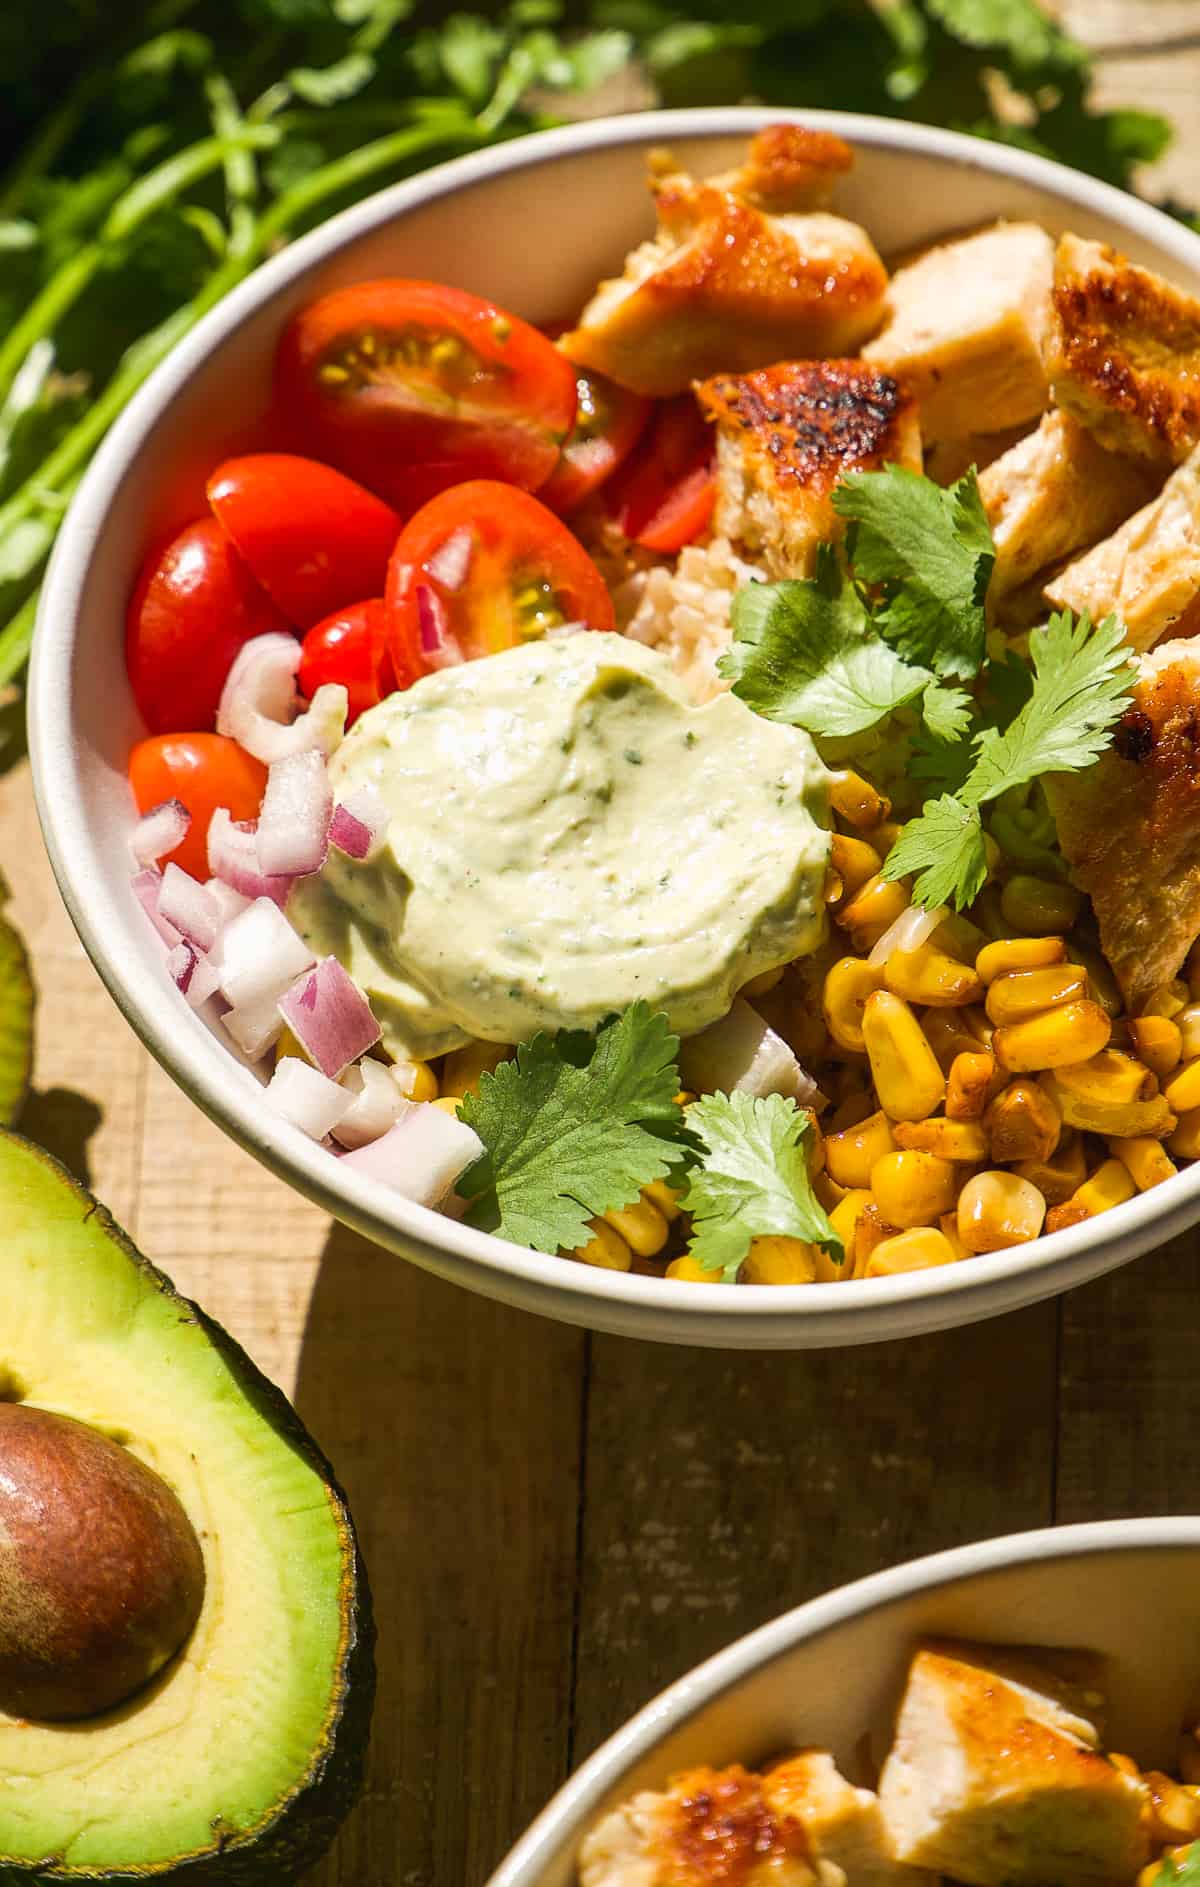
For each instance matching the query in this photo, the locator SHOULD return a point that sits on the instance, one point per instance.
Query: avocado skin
(305, 1825)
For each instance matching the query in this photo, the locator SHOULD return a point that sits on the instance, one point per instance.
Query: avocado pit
(101, 1573)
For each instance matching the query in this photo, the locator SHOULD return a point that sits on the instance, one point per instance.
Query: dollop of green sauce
(569, 832)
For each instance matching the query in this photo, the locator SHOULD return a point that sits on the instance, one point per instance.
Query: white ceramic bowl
(533, 224)
(833, 1669)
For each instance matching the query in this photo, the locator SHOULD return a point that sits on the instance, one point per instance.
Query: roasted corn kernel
(1182, 1091)
(844, 1220)
(1019, 994)
(1144, 1160)
(690, 1271)
(779, 1261)
(1036, 907)
(1184, 1141)
(870, 1230)
(1096, 1114)
(1110, 1185)
(850, 1155)
(963, 1141)
(916, 1250)
(1060, 1176)
(463, 1067)
(1188, 1024)
(912, 1188)
(1061, 1218)
(883, 836)
(931, 978)
(1174, 1814)
(448, 1104)
(605, 1248)
(856, 801)
(1073, 1032)
(958, 937)
(904, 1068)
(948, 1225)
(1168, 999)
(828, 1192)
(970, 1083)
(854, 861)
(1158, 1042)
(872, 910)
(948, 1036)
(847, 985)
(641, 1225)
(1018, 953)
(1102, 984)
(416, 1080)
(1109, 1076)
(997, 1209)
(1022, 1123)
(665, 1197)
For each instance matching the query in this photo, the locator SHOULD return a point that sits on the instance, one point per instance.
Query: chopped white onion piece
(260, 704)
(741, 1051)
(159, 831)
(376, 1104)
(909, 931)
(228, 901)
(330, 1017)
(255, 1026)
(187, 905)
(193, 975)
(258, 954)
(146, 886)
(233, 857)
(361, 820)
(292, 836)
(306, 1098)
(421, 1156)
(451, 561)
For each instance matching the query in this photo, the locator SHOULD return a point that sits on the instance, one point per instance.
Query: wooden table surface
(557, 1525)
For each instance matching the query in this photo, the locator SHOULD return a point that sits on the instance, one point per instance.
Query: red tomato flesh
(485, 567)
(313, 538)
(193, 606)
(663, 496)
(203, 771)
(351, 647)
(609, 421)
(391, 378)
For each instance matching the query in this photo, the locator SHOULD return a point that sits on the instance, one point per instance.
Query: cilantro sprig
(1081, 680)
(751, 1180)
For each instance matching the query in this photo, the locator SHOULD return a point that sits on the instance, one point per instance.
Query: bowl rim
(570, 1809)
(212, 1078)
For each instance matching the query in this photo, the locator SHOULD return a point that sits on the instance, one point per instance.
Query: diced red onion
(233, 857)
(330, 1017)
(159, 831)
(146, 886)
(258, 954)
(421, 1156)
(293, 827)
(349, 834)
(193, 975)
(741, 1051)
(187, 905)
(909, 931)
(376, 1103)
(307, 1098)
(228, 901)
(451, 561)
(260, 705)
(359, 825)
(255, 1026)
(438, 646)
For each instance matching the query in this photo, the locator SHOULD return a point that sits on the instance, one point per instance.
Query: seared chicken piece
(1129, 826)
(788, 168)
(844, 1824)
(993, 1780)
(965, 328)
(726, 285)
(711, 1827)
(1148, 571)
(947, 459)
(786, 436)
(1053, 493)
(1124, 352)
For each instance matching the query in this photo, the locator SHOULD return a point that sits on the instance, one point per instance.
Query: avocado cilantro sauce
(569, 834)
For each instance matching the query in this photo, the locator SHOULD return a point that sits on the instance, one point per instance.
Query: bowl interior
(838, 1680)
(534, 225)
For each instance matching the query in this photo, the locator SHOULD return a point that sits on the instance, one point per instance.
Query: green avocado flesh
(236, 1764)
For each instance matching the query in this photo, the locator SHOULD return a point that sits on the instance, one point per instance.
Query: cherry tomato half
(485, 567)
(609, 421)
(412, 386)
(203, 771)
(313, 538)
(351, 646)
(193, 606)
(663, 496)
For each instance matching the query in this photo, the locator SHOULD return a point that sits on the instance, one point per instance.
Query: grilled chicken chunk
(947, 459)
(788, 168)
(785, 437)
(1148, 571)
(844, 1824)
(1129, 826)
(712, 1826)
(993, 1780)
(728, 285)
(965, 327)
(1124, 352)
(1053, 493)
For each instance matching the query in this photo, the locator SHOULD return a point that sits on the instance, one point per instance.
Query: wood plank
(720, 1489)
(1108, 25)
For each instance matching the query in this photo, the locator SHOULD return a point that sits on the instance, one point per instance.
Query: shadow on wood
(63, 1122)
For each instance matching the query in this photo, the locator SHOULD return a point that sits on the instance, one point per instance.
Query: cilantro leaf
(946, 711)
(944, 848)
(751, 1180)
(931, 553)
(804, 652)
(574, 1127)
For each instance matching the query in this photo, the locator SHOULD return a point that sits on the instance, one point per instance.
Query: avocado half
(237, 1763)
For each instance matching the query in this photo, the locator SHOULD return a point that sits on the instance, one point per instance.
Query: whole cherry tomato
(609, 421)
(412, 386)
(485, 567)
(203, 771)
(193, 606)
(351, 647)
(313, 538)
(663, 496)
